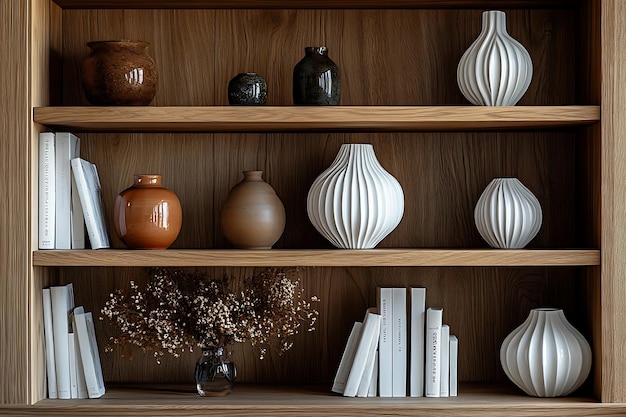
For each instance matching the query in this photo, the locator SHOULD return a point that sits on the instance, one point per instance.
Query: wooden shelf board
(323, 118)
(312, 4)
(315, 257)
(261, 400)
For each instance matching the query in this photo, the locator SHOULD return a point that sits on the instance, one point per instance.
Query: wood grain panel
(613, 38)
(322, 4)
(15, 175)
(402, 57)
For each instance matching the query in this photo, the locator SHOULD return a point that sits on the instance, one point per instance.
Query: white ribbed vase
(496, 70)
(507, 214)
(546, 356)
(355, 203)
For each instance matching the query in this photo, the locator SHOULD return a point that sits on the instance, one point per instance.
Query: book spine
(89, 192)
(93, 344)
(454, 359)
(368, 372)
(371, 327)
(373, 390)
(385, 349)
(347, 358)
(47, 192)
(51, 372)
(66, 148)
(72, 363)
(80, 370)
(78, 218)
(444, 390)
(416, 352)
(399, 342)
(434, 317)
(62, 303)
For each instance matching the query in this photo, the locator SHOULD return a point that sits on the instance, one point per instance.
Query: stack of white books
(73, 365)
(69, 195)
(399, 349)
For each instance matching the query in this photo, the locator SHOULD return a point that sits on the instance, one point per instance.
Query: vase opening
(147, 180)
(121, 43)
(320, 50)
(253, 175)
(546, 309)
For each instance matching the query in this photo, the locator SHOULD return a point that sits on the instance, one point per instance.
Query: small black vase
(247, 89)
(316, 79)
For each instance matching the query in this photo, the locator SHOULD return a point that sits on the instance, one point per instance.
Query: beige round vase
(147, 215)
(253, 217)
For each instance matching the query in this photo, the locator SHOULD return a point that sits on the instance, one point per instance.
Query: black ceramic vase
(247, 89)
(316, 79)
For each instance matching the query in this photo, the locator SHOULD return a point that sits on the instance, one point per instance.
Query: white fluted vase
(507, 214)
(496, 70)
(546, 356)
(355, 203)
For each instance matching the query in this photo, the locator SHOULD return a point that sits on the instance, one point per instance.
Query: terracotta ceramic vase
(119, 73)
(316, 79)
(147, 215)
(247, 89)
(253, 217)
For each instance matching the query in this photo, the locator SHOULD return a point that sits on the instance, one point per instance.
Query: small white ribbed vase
(507, 214)
(496, 70)
(546, 356)
(355, 203)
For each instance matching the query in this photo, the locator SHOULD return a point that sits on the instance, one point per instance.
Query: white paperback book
(385, 361)
(47, 192)
(73, 370)
(67, 147)
(80, 372)
(399, 342)
(444, 391)
(373, 391)
(434, 321)
(416, 351)
(347, 357)
(90, 193)
(88, 350)
(454, 359)
(78, 218)
(51, 372)
(368, 372)
(371, 328)
(62, 298)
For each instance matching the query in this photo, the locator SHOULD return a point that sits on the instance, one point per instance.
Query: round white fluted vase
(507, 214)
(496, 70)
(546, 356)
(355, 203)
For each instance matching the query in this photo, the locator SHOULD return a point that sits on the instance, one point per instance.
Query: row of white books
(70, 195)
(73, 367)
(400, 347)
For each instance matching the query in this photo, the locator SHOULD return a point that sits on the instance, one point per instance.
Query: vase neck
(253, 176)
(146, 180)
(137, 46)
(316, 50)
(494, 21)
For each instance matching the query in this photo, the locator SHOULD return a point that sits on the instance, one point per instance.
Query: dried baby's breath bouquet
(178, 311)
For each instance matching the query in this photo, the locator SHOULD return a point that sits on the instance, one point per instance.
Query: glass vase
(215, 373)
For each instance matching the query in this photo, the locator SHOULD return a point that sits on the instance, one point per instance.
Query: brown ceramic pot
(147, 215)
(119, 73)
(253, 217)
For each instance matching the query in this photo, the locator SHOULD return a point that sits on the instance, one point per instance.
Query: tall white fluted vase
(546, 356)
(355, 203)
(496, 69)
(507, 214)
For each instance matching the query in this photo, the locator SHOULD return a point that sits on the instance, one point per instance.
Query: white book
(47, 192)
(444, 390)
(90, 193)
(399, 342)
(62, 298)
(80, 372)
(88, 349)
(434, 321)
(71, 349)
(416, 351)
(373, 391)
(454, 359)
(385, 364)
(368, 372)
(347, 357)
(371, 328)
(51, 372)
(78, 218)
(66, 148)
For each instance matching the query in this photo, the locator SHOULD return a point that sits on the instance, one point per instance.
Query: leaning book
(90, 193)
